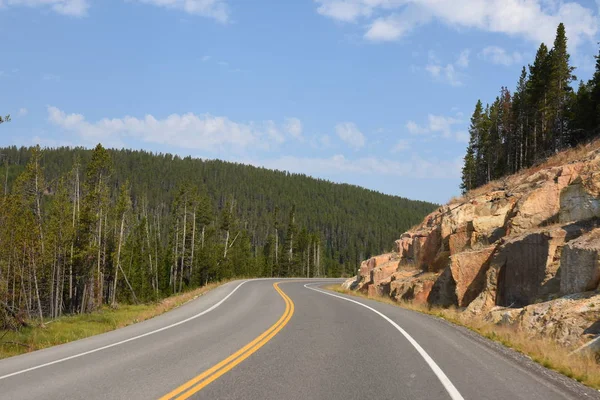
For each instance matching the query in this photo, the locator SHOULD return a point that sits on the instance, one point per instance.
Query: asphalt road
(257, 340)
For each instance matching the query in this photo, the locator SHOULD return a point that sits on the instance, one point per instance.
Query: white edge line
(126, 340)
(450, 388)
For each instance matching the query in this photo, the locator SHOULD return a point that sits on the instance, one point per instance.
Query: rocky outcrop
(577, 203)
(570, 320)
(511, 251)
(367, 267)
(468, 272)
(527, 265)
(580, 264)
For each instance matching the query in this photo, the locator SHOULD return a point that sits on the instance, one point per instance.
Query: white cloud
(448, 73)
(437, 124)
(415, 167)
(497, 55)
(216, 9)
(415, 129)
(349, 133)
(293, 126)
(343, 10)
(22, 112)
(75, 8)
(198, 132)
(206, 58)
(401, 145)
(320, 142)
(463, 59)
(396, 25)
(441, 124)
(534, 20)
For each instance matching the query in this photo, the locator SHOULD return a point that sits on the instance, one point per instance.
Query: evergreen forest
(543, 116)
(82, 228)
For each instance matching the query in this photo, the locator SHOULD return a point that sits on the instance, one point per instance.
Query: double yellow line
(204, 379)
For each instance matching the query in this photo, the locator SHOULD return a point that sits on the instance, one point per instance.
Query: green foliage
(83, 228)
(542, 117)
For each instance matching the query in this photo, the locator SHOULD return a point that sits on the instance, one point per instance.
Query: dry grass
(74, 327)
(581, 367)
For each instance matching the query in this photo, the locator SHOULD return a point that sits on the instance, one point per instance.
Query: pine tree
(584, 116)
(537, 98)
(520, 113)
(91, 234)
(560, 91)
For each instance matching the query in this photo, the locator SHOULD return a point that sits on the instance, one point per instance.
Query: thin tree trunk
(128, 284)
(183, 245)
(226, 244)
(114, 292)
(37, 293)
(193, 246)
(6, 179)
(97, 283)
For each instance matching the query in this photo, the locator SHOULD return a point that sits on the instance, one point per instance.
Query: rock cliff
(522, 251)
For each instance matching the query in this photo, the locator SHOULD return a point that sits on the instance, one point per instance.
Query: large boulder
(527, 265)
(477, 223)
(578, 202)
(367, 267)
(538, 207)
(570, 320)
(384, 271)
(580, 264)
(468, 272)
(404, 247)
(460, 239)
(351, 283)
(426, 248)
(415, 288)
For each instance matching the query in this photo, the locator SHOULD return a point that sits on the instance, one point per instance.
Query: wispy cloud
(396, 25)
(449, 73)
(215, 9)
(533, 20)
(350, 134)
(498, 55)
(401, 145)
(438, 125)
(198, 132)
(414, 167)
(293, 126)
(74, 8)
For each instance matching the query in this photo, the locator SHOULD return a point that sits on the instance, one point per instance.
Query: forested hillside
(80, 228)
(543, 116)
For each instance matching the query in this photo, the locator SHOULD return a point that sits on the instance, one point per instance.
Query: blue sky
(376, 93)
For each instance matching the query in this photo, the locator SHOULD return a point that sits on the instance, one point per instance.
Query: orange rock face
(468, 270)
(531, 238)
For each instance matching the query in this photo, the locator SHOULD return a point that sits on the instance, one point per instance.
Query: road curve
(262, 340)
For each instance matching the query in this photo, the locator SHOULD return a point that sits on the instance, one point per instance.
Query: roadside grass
(74, 327)
(546, 352)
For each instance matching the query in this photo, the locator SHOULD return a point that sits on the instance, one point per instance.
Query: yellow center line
(204, 379)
